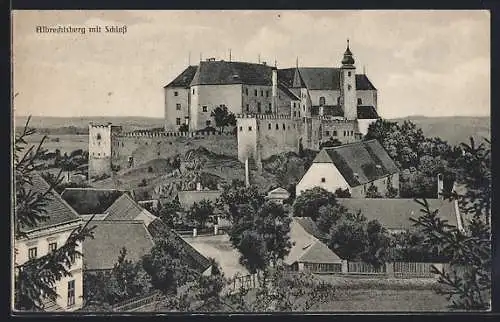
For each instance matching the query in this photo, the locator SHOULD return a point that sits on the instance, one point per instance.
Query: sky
(431, 63)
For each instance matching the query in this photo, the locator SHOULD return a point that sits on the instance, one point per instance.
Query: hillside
(129, 123)
(453, 129)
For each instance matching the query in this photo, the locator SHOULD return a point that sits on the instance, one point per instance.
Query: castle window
(349, 74)
(360, 101)
(248, 107)
(294, 113)
(327, 133)
(255, 92)
(204, 108)
(176, 93)
(178, 121)
(208, 122)
(321, 101)
(299, 113)
(323, 179)
(352, 133)
(241, 128)
(246, 91)
(349, 87)
(267, 93)
(98, 136)
(269, 126)
(261, 93)
(98, 154)
(344, 133)
(277, 126)
(32, 253)
(284, 127)
(178, 107)
(249, 128)
(270, 107)
(258, 107)
(193, 91)
(335, 133)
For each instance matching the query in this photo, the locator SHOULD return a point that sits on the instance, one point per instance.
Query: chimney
(274, 102)
(440, 186)
(247, 173)
(198, 186)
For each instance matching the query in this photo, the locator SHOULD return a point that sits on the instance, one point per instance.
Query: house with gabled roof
(48, 235)
(92, 200)
(110, 236)
(354, 166)
(308, 252)
(126, 208)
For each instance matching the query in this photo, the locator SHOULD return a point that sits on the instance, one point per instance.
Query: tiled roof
(185, 78)
(90, 200)
(363, 83)
(286, 76)
(124, 208)
(310, 227)
(287, 92)
(396, 213)
(360, 162)
(326, 78)
(367, 112)
(193, 258)
(225, 72)
(306, 247)
(58, 211)
(188, 198)
(102, 251)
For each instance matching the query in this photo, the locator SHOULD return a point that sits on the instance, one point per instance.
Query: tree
(165, 266)
(168, 212)
(352, 237)
(342, 193)
(35, 279)
(236, 196)
(372, 192)
(263, 237)
(328, 215)
(309, 202)
(201, 212)
(467, 283)
(223, 117)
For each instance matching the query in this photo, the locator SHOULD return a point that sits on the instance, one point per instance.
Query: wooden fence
(365, 268)
(395, 269)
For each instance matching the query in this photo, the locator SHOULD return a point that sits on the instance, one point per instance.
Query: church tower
(348, 100)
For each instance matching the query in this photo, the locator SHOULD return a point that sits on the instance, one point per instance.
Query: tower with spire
(348, 100)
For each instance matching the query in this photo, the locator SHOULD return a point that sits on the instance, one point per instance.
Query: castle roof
(395, 214)
(328, 78)
(184, 78)
(58, 211)
(286, 76)
(287, 92)
(226, 72)
(359, 163)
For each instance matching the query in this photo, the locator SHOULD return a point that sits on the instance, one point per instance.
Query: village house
(308, 252)
(395, 214)
(354, 167)
(48, 236)
(86, 201)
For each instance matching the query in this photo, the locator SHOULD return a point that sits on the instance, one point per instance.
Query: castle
(278, 110)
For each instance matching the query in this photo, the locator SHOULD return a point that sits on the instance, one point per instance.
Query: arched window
(321, 101)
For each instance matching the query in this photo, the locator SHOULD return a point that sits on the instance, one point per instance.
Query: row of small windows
(334, 133)
(256, 92)
(269, 127)
(259, 107)
(33, 251)
(322, 101)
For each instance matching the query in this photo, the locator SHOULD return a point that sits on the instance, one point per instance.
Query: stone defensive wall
(265, 116)
(150, 134)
